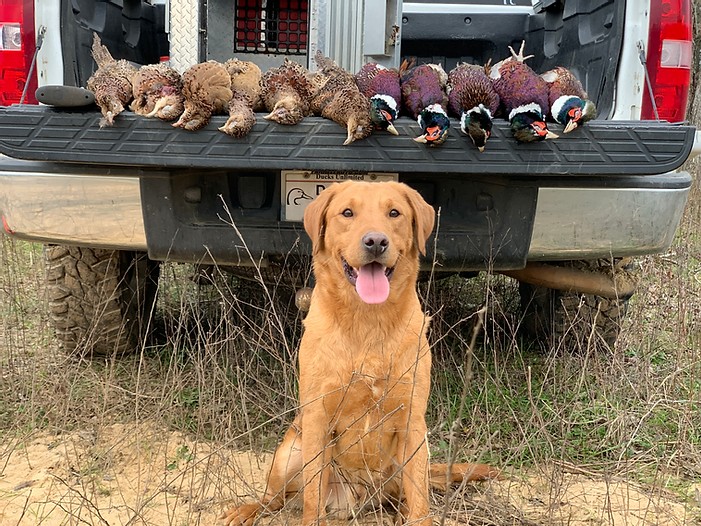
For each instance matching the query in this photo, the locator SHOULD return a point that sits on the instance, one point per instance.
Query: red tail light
(669, 58)
(17, 45)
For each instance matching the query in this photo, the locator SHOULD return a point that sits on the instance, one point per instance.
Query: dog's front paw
(240, 515)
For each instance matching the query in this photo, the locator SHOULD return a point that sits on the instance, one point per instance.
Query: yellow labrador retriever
(359, 439)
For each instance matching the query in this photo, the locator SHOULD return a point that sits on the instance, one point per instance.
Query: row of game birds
(373, 98)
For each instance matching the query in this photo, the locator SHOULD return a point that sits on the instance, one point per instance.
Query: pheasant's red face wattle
(387, 115)
(575, 114)
(433, 133)
(540, 129)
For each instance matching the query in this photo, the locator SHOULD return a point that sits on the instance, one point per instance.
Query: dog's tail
(441, 476)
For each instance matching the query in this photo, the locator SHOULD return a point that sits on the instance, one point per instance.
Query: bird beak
(480, 148)
(551, 135)
(392, 129)
(570, 126)
(349, 139)
(421, 139)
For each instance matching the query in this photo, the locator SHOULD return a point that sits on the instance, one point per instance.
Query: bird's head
(571, 111)
(383, 112)
(286, 111)
(477, 123)
(528, 124)
(111, 107)
(435, 125)
(358, 127)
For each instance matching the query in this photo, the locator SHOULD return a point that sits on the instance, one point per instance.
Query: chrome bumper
(103, 209)
(95, 209)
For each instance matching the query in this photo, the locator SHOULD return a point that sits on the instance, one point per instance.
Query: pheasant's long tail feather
(100, 53)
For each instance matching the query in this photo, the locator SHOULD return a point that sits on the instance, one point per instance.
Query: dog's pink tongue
(372, 283)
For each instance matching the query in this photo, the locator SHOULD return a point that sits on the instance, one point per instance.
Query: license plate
(300, 187)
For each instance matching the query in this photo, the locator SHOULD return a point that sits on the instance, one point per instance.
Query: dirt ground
(139, 475)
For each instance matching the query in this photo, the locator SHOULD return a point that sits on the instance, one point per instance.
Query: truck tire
(100, 301)
(571, 321)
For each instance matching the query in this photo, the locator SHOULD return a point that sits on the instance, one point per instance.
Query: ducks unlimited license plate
(300, 187)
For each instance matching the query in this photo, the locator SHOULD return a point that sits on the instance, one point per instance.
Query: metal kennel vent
(271, 26)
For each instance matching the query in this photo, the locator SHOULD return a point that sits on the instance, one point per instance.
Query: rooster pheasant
(381, 86)
(473, 99)
(524, 94)
(423, 92)
(569, 103)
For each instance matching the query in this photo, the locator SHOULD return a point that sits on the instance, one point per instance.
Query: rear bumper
(577, 218)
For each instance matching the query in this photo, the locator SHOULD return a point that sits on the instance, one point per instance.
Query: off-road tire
(570, 321)
(100, 301)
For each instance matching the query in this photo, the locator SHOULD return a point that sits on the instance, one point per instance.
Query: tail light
(17, 46)
(669, 58)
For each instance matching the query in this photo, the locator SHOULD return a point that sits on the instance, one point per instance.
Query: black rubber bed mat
(44, 133)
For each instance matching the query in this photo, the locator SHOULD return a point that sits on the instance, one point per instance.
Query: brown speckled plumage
(246, 97)
(339, 99)
(245, 78)
(111, 82)
(241, 116)
(286, 91)
(157, 90)
(207, 91)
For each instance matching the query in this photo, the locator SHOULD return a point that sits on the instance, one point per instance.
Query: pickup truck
(563, 217)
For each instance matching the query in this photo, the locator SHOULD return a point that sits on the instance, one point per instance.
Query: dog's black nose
(375, 243)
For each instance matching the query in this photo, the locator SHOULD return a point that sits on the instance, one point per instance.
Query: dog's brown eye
(394, 213)
(347, 212)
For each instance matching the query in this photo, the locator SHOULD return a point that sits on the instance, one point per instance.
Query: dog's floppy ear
(424, 218)
(315, 217)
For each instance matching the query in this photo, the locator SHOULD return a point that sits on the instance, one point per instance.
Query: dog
(359, 439)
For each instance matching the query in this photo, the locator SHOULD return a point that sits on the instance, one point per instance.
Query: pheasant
(207, 91)
(522, 91)
(434, 123)
(246, 97)
(569, 103)
(111, 82)
(381, 86)
(423, 87)
(339, 99)
(157, 90)
(473, 99)
(286, 91)
(528, 124)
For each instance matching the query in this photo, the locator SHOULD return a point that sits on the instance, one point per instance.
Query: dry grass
(180, 430)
